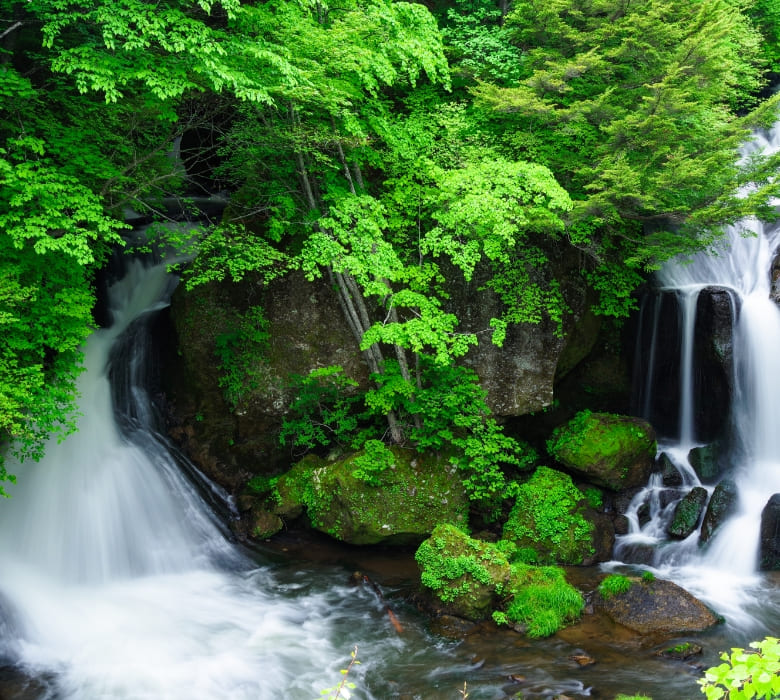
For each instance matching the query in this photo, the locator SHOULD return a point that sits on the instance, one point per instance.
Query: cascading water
(116, 579)
(724, 572)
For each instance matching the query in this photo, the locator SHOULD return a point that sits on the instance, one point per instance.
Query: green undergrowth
(613, 585)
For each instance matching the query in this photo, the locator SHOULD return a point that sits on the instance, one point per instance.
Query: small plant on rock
(613, 585)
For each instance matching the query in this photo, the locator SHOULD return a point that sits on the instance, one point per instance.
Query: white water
(118, 583)
(724, 573)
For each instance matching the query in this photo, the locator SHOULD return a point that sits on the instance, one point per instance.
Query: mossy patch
(476, 579)
(548, 523)
(401, 504)
(612, 451)
(465, 573)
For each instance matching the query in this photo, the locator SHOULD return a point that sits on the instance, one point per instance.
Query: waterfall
(724, 571)
(117, 581)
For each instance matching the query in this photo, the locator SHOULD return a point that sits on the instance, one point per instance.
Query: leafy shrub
(613, 585)
(745, 674)
(374, 459)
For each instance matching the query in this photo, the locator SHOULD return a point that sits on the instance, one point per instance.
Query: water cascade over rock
(709, 380)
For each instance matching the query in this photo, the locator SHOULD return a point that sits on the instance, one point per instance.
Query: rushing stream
(118, 581)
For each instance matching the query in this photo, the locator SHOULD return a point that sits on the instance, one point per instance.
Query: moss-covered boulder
(723, 503)
(357, 500)
(609, 450)
(466, 575)
(655, 607)
(552, 523)
(474, 579)
(687, 513)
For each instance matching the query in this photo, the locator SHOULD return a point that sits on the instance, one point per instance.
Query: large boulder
(656, 607)
(769, 550)
(722, 504)
(608, 450)
(708, 462)
(551, 523)
(400, 503)
(687, 513)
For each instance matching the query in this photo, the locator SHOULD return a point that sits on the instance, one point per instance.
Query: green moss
(548, 519)
(461, 571)
(541, 599)
(613, 585)
(614, 451)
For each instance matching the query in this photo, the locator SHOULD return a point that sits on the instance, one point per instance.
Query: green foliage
(325, 409)
(541, 599)
(634, 110)
(344, 688)
(745, 673)
(595, 498)
(241, 355)
(373, 460)
(613, 585)
(547, 517)
(648, 576)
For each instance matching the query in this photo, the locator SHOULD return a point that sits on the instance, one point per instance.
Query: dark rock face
(306, 332)
(657, 608)
(519, 376)
(670, 475)
(687, 513)
(707, 462)
(657, 373)
(769, 552)
(721, 505)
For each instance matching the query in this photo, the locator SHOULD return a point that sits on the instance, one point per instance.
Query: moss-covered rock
(612, 451)
(474, 579)
(466, 575)
(400, 504)
(549, 522)
(687, 513)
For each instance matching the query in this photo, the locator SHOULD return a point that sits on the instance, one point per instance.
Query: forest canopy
(393, 148)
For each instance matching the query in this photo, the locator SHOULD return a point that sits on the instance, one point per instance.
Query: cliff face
(306, 331)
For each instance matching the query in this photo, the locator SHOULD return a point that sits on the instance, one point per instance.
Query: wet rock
(707, 462)
(621, 524)
(722, 504)
(657, 607)
(682, 651)
(688, 513)
(667, 496)
(608, 450)
(409, 498)
(643, 514)
(621, 501)
(670, 474)
(769, 549)
(637, 554)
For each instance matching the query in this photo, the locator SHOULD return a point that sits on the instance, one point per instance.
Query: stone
(670, 474)
(706, 462)
(462, 572)
(687, 513)
(552, 523)
(412, 496)
(769, 547)
(608, 450)
(722, 504)
(657, 607)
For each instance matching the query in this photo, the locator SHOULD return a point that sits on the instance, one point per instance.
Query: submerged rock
(688, 513)
(657, 608)
(670, 474)
(612, 451)
(769, 551)
(721, 506)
